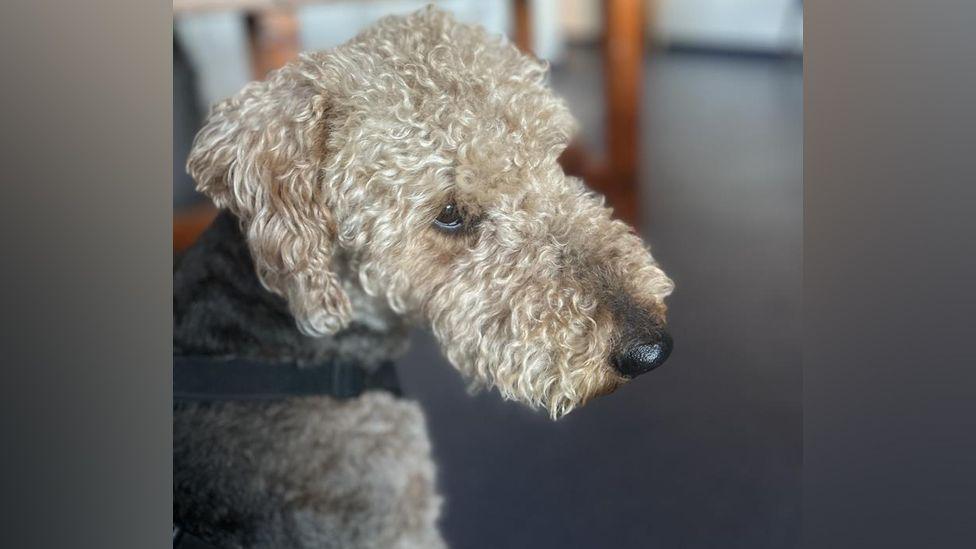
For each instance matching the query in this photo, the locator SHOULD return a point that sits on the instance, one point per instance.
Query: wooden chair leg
(616, 175)
(274, 39)
(623, 59)
(189, 224)
(523, 24)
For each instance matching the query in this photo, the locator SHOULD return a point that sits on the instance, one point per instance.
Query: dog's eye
(450, 218)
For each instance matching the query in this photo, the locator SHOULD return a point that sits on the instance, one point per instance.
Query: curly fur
(340, 161)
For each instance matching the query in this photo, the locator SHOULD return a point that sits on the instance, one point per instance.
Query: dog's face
(424, 153)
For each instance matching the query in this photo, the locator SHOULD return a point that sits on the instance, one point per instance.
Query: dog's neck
(221, 309)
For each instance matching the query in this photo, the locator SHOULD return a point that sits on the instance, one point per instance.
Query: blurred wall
(758, 25)
(216, 48)
(767, 25)
(329, 24)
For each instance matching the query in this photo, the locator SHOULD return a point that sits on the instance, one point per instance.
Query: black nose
(643, 357)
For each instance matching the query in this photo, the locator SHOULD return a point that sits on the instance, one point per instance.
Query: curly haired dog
(408, 176)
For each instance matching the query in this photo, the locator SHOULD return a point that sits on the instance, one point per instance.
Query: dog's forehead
(448, 85)
(478, 105)
(435, 102)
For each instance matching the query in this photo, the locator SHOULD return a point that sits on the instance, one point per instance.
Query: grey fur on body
(221, 309)
(305, 472)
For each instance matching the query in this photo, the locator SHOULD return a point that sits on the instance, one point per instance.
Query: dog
(407, 177)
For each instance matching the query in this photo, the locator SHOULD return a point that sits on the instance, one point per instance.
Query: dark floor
(706, 451)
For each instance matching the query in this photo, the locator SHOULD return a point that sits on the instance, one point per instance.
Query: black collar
(204, 378)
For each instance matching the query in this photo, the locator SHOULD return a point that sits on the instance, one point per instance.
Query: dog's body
(302, 472)
(408, 176)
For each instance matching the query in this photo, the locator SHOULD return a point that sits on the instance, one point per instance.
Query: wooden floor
(706, 451)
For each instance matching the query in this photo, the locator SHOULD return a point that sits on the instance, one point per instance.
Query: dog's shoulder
(219, 305)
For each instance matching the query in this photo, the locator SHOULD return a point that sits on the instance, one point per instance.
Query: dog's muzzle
(641, 358)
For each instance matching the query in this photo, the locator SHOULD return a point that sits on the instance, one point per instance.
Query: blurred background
(691, 124)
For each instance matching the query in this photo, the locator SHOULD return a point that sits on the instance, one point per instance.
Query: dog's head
(423, 153)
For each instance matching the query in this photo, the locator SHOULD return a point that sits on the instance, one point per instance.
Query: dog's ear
(261, 155)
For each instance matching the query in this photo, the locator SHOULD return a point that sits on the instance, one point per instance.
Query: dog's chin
(606, 388)
(559, 406)
(558, 390)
